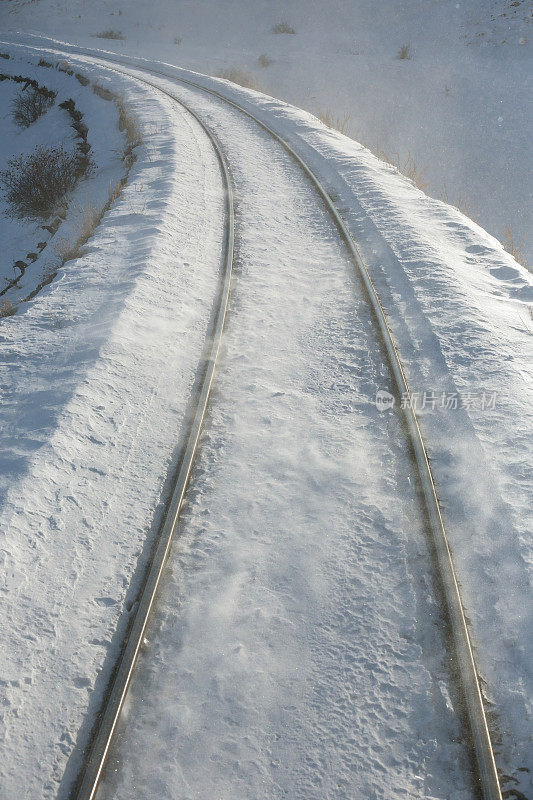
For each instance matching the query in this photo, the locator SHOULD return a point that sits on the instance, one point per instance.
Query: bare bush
(29, 105)
(238, 75)
(178, 39)
(341, 124)
(35, 184)
(512, 247)
(404, 53)
(264, 61)
(282, 27)
(109, 34)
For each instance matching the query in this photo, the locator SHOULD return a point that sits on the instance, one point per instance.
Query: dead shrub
(29, 105)
(282, 27)
(239, 76)
(35, 184)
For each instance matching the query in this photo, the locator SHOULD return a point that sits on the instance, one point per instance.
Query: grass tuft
(264, 61)
(516, 250)
(408, 167)
(109, 34)
(282, 27)
(404, 53)
(239, 76)
(341, 124)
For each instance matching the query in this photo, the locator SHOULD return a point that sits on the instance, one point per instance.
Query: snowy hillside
(459, 106)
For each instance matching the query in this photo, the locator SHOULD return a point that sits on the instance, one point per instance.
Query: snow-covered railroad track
(476, 716)
(486, 768)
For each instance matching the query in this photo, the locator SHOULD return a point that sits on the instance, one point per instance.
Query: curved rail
(105, 726)
(482, 745)
(486, 767)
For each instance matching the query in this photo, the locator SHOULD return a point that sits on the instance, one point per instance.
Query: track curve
(488, 778)
(486, 766)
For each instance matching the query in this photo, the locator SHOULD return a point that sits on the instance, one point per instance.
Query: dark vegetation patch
(30, 104)
(35, 184)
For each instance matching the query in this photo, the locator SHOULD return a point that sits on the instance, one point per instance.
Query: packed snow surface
(298, 646)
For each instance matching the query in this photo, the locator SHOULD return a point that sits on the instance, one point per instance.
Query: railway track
(106, 724)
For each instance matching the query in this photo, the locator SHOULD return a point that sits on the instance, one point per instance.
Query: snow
(97, 373)
(294, 653)
(461, 106)
(297, 650)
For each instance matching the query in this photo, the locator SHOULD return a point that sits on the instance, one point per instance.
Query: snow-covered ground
(461, 105)
(302, 570)
(96, 375)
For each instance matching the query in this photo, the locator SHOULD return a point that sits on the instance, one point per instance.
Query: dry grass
(404, 53)
(341, 124)
(408, 167)
(91, 216)
(7, 309)
(512, 247)
(109, 34)
(264, 61)
(282, 27)
(128, 123)
(64, 66)
(239, 76)
(462, 204)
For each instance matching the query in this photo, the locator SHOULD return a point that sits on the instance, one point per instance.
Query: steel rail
(105, 727)
(485, 762)
(486, 766)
